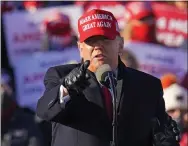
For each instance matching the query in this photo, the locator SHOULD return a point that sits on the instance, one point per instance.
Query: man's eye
(89, 41)
(106, 40)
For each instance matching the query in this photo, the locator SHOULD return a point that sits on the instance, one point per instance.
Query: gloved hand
(170, 136)
(76, 79)
(171, 128)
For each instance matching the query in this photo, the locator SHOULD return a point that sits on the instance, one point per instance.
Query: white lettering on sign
(94, 17)
(170, 39)
(178, 25)
(172, 32)
(161, 23)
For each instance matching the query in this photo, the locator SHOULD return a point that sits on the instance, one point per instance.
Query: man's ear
(121, 44)
(80, 48)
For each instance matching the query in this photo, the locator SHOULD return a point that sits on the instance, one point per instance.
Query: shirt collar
(115, 73)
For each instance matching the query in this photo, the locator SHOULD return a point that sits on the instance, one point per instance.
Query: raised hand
(76, 79)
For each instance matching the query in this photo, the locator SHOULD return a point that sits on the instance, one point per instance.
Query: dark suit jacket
(84, 122)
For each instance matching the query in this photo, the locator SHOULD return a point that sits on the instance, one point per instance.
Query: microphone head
(102, 73)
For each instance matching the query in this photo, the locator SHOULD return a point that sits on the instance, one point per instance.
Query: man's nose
(98, 45)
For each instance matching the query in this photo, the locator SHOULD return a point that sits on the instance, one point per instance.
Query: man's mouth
(99, 56)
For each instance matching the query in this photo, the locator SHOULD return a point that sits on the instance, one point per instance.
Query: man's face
(100, 50)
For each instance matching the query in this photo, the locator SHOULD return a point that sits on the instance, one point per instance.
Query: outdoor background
(36, 35)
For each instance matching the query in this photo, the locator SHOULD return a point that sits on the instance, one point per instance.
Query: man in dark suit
(74, 102)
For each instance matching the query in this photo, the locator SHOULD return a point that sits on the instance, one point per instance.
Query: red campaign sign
(117, 8)
(171, 24)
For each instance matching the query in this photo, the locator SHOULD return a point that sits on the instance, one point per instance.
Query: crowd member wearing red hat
(139, 22)
(32, 6)
(58, 34)
(79, 110)
(129, 59)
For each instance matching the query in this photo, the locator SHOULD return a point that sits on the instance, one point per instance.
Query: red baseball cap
(137, 10)
(57, 23)
(33, 4)
(97, 22)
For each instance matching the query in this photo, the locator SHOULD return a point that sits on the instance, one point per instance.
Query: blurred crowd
(21, 127)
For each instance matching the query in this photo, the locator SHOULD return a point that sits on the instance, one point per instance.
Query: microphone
(106, 77)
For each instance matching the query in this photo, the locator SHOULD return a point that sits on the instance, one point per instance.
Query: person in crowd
(7, 6)
(32, 6)
(181, 5)
(176, 101)
(129, 59)
(6, 86)
(58, 33)
(139, 22)
(18, 127)
(168, 79)
(80, 106)
(184, 81)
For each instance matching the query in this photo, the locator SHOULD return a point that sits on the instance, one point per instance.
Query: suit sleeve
(160, 114)
(48, 106)
(164, 138)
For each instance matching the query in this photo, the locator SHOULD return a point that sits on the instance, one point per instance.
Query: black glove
(172, 126)
(77, 78)
(170, 136)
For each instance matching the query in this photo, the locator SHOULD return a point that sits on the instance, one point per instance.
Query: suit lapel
(126, 90)
(93, 92)
(120, 82)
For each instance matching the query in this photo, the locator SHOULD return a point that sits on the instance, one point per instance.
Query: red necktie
(108, 101)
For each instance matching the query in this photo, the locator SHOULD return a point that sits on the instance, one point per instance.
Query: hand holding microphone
(170, 136)
(76, 79)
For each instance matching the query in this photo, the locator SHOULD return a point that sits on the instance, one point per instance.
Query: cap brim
(91, 33)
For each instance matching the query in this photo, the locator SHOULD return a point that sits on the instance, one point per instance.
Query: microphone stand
(112, 84)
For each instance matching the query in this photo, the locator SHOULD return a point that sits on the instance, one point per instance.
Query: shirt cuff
(63, 99)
